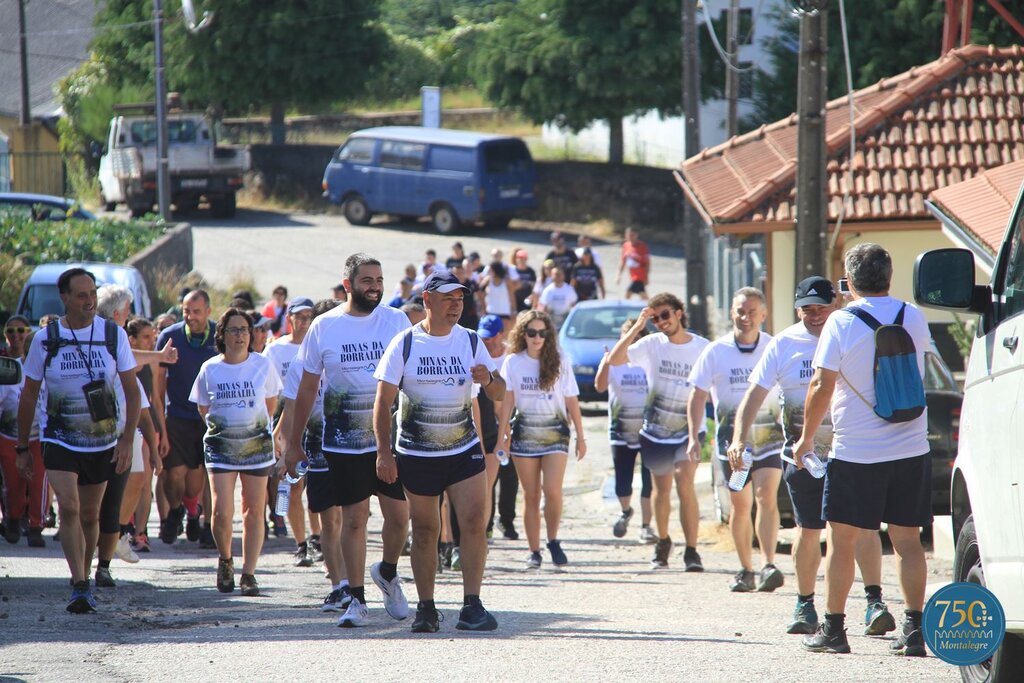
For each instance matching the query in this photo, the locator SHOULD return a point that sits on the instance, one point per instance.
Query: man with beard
(344, 347)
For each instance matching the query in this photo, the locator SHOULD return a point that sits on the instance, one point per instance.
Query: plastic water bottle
(738, 479)
(284, 488)
(813, 464)
(502, 457)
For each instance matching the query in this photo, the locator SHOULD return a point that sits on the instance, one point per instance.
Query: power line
(726, 57)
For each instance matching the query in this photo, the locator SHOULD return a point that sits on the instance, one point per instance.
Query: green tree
(573, 63)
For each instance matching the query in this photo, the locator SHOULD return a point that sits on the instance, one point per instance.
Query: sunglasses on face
(237, 331)
(664, 315)
(17, 330)
(531, 333)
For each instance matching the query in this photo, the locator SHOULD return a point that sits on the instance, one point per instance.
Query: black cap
(814, 290)
(442, 281)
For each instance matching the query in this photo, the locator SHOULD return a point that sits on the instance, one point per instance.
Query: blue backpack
(899, 389)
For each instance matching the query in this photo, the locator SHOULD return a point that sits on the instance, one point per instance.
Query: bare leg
(426, 526)
(910, 563)
(73, 538)
(254, 497)
(741, 527)
(395, 530)
(869, 557)
(689, 510)
(807, 559)
(552, 475)
(297, 512)
(645, 511)
(661, 499)
(842, 539)
(330, 542)
(529, 470)
(223, 487)
(766, 491)
(470, 498)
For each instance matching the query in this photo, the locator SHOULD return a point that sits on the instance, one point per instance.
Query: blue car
(590, 328)
(42, 207)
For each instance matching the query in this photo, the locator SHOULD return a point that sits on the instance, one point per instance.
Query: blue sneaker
(877, 620)
(805, 619)
(82, 600)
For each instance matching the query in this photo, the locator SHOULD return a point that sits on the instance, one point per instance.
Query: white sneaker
(123, 550)
(395, 603)
(647, 535)
(357, 614)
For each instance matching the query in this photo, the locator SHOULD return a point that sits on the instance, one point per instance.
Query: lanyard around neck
(78, 345)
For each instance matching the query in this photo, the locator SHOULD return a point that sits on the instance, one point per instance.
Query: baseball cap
(302, 304)
(814, 290)
(490, 326)
(442, 281)
(260, 320)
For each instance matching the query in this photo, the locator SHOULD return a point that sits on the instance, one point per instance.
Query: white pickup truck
(198, 167)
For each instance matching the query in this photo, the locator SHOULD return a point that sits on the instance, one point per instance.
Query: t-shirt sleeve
(125, 355)
(483, 357)
(506, 371)
(392, 366)
(33, 366)
(766, 372)
(639, 352)
(702, 375)
(291, 381)
(567, 378)
(200, 395)
(309, 350)
(545, 295)
(828, 354)
(572, 298)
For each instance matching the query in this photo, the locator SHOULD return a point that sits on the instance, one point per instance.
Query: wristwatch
(21, 449)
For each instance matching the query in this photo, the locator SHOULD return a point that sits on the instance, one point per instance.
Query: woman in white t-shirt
(236, 392)
(499, 297)
(542, 389)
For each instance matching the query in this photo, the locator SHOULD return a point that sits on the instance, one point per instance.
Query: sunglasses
(237, 331)
(17, 330)
(531, 333)
(664, 315)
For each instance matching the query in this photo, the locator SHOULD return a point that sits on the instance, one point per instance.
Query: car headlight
(585, 370)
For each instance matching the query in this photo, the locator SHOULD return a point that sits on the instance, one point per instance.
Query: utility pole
(811, 207)
(732, 76)
(694, 230)
(26, 105)
(163, 179)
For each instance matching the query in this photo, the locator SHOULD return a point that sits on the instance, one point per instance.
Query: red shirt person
(637, 257)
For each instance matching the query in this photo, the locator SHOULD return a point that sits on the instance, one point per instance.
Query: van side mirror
(10, 371)
(944, 278)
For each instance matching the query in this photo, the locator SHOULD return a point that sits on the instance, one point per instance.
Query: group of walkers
(357, 399)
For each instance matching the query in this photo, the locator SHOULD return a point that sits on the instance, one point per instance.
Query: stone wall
(169, 256)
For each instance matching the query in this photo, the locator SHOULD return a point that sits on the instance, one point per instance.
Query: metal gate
(734, 264)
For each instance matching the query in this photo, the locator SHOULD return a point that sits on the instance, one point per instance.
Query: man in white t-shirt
(431, 369)
(787, 364)
(82, 448)
(344, 346)
(722, 371)
(557, 298)
(880, 471)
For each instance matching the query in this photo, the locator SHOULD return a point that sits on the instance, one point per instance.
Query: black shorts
(186, 441)
(771, 462)
(92, 467)
(431, 475)
(661, 458)
(865, 495)
(353, 479)
(319, 492)
(806, 493)
(636, 287)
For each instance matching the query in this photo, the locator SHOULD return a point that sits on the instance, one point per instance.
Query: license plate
(193, 182)
(507, 192)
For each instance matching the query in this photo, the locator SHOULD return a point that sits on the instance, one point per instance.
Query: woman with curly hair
(542, 390)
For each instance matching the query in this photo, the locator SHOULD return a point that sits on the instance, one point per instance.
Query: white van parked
(986, 499)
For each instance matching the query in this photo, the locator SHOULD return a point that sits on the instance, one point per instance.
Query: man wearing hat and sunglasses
(786, 364)
(432, 369)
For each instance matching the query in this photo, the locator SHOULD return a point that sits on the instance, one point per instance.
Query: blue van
(453, 176)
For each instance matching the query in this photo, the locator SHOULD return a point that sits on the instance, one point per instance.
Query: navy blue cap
(490, 326)
(443, 282)
(302, 304)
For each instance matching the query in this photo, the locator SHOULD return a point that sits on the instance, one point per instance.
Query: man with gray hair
(879, 470)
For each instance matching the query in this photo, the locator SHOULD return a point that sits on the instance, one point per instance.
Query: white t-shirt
(787, 363)
(497, 299)
(66, 420)
(237, 424)
(347, 349)
(10, 397)
(847, 345)
(144, 404)
(558, 300)
(435, 405)
(723, 369)
(627, 400)
(541, 422)
(281, 354)
(667, 367)
(312, 440)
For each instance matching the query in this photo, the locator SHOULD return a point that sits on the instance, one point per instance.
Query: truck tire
(1008, 661)
(356, 211)
(446, 220)
(222, 206)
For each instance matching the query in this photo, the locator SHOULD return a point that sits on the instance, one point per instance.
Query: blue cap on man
(490, 326)
(443, 282)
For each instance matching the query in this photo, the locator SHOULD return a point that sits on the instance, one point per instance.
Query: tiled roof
(932, 126)
(58, 34)
(981, 206)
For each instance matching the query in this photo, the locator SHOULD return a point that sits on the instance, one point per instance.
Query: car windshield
(40, 300)
(598, 323)
(937, 376)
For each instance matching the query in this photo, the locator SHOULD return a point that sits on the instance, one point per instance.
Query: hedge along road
(306, 252)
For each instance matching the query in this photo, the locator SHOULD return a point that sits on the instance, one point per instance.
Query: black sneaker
(82, 601)
(823, 641)
(12, 530)
(691, 560)
(225, 575)
(337, 601)
(508, 530)
(35, 537)
(474, 617)
(170, 528)
(770, 579)
(206, 540)
(558, 557)
(805, 618)
(316, 553)
(302, 558)
(662, 549)
(743, 583)
(910, 643)
(104, 579)
(193, 528)
(621, 525)
(428, 619)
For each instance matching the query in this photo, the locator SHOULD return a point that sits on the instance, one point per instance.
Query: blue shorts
(865, 495)
(661, 458)
(806, 493)
(773, 462)
(431, 475)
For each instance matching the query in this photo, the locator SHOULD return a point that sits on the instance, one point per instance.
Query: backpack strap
(899, 316)
(110, 338)
(406, 352)
(866, 317)
(52, 343)
(474, 340)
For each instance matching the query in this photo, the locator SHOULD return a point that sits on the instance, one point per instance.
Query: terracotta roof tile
(981, 206)
(917, 132)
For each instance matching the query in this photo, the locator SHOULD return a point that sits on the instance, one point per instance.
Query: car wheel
(356, 211)
(446, 220)
(1008, 661)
